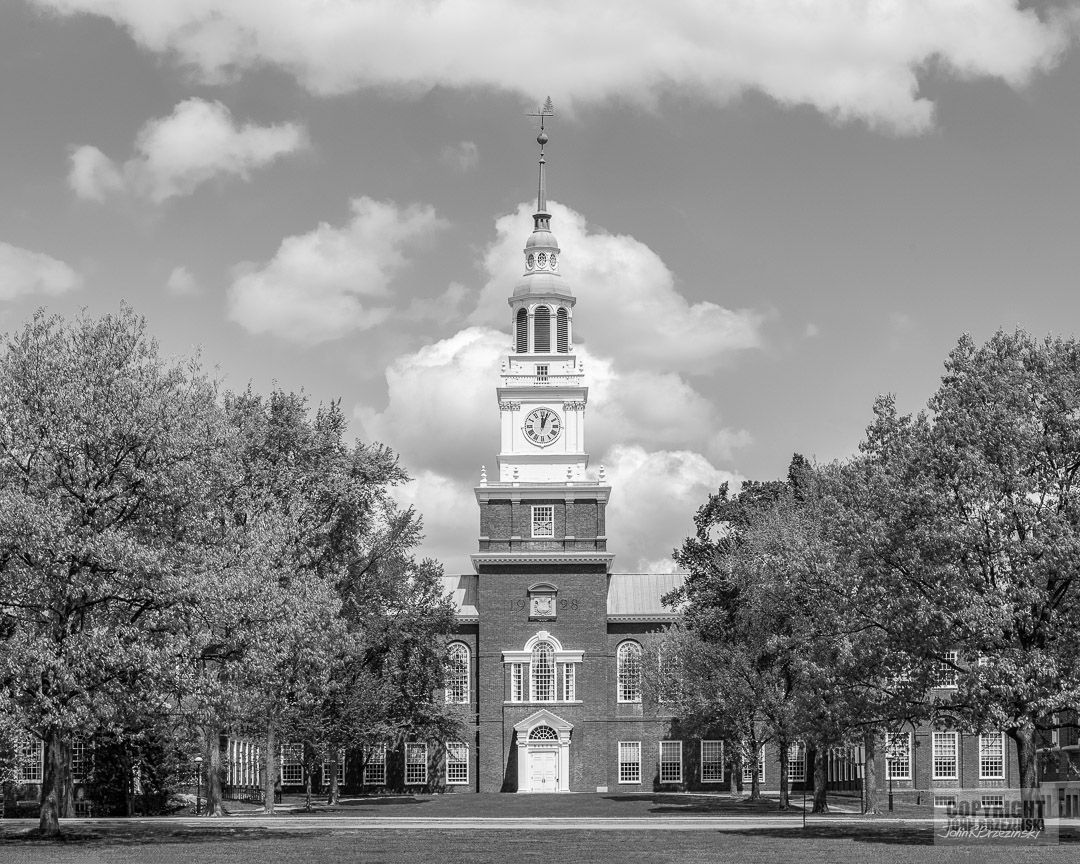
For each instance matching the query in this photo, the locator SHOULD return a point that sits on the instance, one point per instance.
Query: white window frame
(31, 760)
(458, 674)
(747, 767)
(796, 766)
(944, 801)
(666, 761)
(630, 762)
(340, 769)
(543, 687)
(903, 741)
(991, 751)
(945, 676)
(543, 520)
(941, 743)
(628, 680)
(416, 771)
(375, 767)
(517, 682)
(457, 763)
(712, 753)
(80, 754)
(542, 370)
(292, 764)
(566, 680)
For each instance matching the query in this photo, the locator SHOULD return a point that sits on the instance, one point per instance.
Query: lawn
(162, 843)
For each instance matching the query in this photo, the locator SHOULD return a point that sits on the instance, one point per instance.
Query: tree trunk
(332, 797)
(307, 784)
(56, 799)
(783, 745)
(1026, 757)
(870, 787)
(212, 761)
(735, 768)
(270, 772)
(821, 779)
(129, 779)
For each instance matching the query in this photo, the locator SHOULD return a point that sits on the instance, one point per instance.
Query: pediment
(543, 717)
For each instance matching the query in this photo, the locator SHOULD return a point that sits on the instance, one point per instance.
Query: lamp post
(198, 783)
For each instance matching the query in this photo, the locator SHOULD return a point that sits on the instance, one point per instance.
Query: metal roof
(636, 596)
(462, 590)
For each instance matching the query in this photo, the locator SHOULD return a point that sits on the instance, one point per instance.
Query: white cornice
(583, 557)
(584, 490)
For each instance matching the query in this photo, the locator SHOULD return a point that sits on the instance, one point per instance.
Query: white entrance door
(543, 771)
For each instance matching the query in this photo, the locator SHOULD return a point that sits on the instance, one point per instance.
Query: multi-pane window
(796, 766)
(292, 764)
(897, 755)
(671, 761)
(543, 520)
(992, 756)
(748, 766)
(375, 768)
(31, 760)
(712, 761)
(944, 800)
(457, 763)
(566, 681)
(944, 756)
(517, 682)
(992, 802)
(542, 673)
(629, 761)
(541, 373)
(457, 674)
(79, 764)
(628, 672)
(945, 671)
(340, 769)
(415, 763)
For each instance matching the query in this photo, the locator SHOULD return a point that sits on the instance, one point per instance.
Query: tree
(972, 526)
(103, 445)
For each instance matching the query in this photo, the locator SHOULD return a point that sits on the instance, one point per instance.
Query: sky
(771, 212)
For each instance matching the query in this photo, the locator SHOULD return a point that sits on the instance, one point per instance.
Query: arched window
(542, 330)
(543, 733)
(521, 332)
(628, 659)
(457, 674)
(542, 672)
(562, 330)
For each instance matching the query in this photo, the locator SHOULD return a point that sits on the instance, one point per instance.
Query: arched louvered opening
(542, 330)
(562, 331)
(521, 332)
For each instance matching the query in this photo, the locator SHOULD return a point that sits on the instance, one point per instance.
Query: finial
(569, 472)
(515, 474)
(603, 474)
(540, 218)
(483, 476)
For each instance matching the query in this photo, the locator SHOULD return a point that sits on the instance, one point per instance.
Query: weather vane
(547, 111)
(541, 192)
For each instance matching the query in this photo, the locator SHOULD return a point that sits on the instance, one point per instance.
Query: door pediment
(543, 717)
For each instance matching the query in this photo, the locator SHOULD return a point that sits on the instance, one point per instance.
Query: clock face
(542, 426)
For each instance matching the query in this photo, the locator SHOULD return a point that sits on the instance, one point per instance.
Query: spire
(542, 219)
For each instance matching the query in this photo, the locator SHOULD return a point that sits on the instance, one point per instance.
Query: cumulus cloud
(181, 283)
(636, 313)
(23, 271)
(463, 156)
(174, 155)
(849, 60)
(331, 281)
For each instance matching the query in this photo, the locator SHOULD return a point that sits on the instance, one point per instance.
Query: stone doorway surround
(543, 717)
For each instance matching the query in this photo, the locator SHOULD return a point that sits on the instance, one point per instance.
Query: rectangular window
(944, 673)
(712, 761)
(748, 766)
(992, 756)
(992, 802)
(543, 520)
(796, 766)
(457, 764)
(897, 755)
(629, 761)
(517, 682)
(542, 676)
(375, 769)
(79, 764)
(31, 760)
(944, 756)
(340, 770)
(671, 761)
(566, 681)
(944, 800)
(292, 764)
(415, 764)
(541, 373)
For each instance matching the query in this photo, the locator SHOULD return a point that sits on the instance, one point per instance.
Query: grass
(220, 845)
